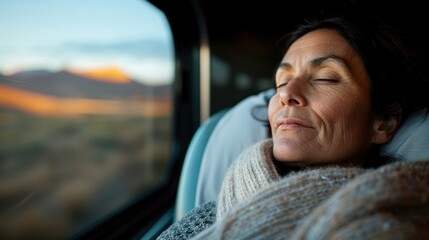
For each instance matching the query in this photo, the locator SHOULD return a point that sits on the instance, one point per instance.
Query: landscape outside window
(85, 111)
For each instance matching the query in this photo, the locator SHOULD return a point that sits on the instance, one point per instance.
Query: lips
(292, 123)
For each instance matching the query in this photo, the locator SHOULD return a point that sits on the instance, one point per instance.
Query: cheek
(273, 107)
(345, 103)
(346, 111)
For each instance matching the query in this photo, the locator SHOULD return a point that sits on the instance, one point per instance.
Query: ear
(385, 127)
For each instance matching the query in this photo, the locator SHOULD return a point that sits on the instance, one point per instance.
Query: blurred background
(85, 111)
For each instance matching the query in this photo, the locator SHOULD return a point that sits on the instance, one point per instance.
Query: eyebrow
(318, 61)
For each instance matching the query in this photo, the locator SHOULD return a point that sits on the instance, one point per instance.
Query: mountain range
(67, 93)
(67, 84)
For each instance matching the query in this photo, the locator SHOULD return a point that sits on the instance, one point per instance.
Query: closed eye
(281, 85)
(329, 80)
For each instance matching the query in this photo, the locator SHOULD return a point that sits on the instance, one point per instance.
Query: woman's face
(322, 110)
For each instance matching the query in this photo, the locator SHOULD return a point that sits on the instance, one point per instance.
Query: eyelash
(329, 80)
(281, 85)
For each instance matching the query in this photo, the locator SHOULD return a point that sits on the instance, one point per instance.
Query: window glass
(85, 111)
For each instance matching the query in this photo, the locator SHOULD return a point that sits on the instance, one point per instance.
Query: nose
(293, 94)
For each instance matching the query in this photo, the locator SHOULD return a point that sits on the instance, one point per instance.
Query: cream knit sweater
(391, 202)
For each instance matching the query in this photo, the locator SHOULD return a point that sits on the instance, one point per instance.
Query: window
(85, 111)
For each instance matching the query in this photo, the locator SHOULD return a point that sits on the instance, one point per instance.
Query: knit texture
(252, 170)
(326, 203)
(192, 223)
(389, 203)
(256, 203)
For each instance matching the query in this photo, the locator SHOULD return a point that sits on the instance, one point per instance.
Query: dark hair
(396, 84)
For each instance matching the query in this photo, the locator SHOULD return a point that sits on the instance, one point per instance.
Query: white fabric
(238, 129)
(411, 141)
(233, 133)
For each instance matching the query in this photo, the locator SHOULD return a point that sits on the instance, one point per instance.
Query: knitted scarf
(254, 170)
(341, 202)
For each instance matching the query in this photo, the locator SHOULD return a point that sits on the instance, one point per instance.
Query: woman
(343, 87)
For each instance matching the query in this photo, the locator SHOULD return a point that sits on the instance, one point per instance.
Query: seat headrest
(411, 141)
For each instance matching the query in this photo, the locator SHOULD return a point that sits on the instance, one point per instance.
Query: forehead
(318, 43)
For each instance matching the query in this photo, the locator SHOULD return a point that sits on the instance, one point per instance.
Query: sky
(131, 35)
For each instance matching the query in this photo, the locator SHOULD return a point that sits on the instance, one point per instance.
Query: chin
(287, 156)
